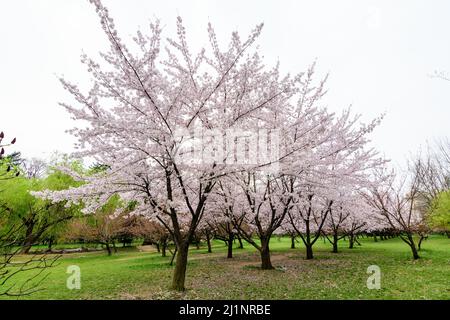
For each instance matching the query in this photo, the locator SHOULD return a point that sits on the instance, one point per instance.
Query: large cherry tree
(145, 106)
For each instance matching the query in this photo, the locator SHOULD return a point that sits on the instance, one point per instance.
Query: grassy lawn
(136, 274)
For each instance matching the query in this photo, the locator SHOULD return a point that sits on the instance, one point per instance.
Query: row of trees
(217, 138)
(348, 215)
(143, 111)
(216, 144)
(13, 230)
(38, 219)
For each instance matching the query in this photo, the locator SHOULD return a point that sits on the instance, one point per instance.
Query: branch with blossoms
(7, 169)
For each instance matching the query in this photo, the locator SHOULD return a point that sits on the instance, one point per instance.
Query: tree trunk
(309, 252)
(208, 241)
(158, 248)
(266, 264)
(413, 247)
(375, 238)
(28, 243)
(292, 242)
(50, 245)
(108, 248)
(414, 251)
(307, 242)
(419, 245)
(241, 245)
(114, 246)
(174, 254)
(29, 239)
(351, 241)
(335, 243)
(163, 249)
(230, 246)
(179, 275)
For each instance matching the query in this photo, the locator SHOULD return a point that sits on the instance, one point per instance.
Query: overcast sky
(380, 55)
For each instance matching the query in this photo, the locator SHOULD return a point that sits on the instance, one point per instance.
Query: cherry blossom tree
(337, 159)
(228, 216)
(308, 217)
(393, 198)
(267, 201)
(360, 219)
(34, 168)
(142, 109)
(225, 231)
(205, 232)
(168, 126)
(339, 212)
(349, 215)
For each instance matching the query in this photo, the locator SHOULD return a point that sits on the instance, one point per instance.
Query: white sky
(379, 55)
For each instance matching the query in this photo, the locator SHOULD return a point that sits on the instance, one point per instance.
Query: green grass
(133, 274)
